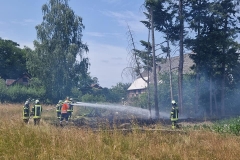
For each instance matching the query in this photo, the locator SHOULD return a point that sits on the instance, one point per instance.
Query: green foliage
(215, 45)
(164, 91)
(12, 60)
(20, 93)
(116, 93)
(36, 83)
(92, 98)
(3, 90)
(75, 92)
(59, 43)
(112, 95)
(139, 101)
(231, 126)
(214, 29)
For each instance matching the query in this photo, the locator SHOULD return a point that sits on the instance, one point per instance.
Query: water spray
(135, 111)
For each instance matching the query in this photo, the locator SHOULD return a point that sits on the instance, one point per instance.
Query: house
(96, 86)
(139, 85)
(23, 80)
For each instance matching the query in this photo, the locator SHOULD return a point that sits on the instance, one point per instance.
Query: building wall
(23, 80)
(136, 92)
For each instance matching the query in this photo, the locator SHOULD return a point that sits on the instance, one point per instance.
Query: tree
(215, 47)
(150, 5)
(12, 60)
(120, 89)
(227, 23)
(196, 16)
(180, 67)
(142, 60)
(164, 23)
(59, 42)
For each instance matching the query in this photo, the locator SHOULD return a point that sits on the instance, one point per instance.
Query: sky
(105, 33)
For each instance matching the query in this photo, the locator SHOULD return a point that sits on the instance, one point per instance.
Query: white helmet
(37, 101)
(27, 102)
(173, 102)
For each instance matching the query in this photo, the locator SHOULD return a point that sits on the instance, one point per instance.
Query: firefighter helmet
(60, 101)
(37, 101)
(173, 102)
(27, 102)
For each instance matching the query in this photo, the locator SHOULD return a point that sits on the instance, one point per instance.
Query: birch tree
(58, 44)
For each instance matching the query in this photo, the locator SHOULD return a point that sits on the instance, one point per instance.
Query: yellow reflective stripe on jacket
(37, 111)
(26, 112)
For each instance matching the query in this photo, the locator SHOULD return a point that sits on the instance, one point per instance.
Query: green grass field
(46, 141)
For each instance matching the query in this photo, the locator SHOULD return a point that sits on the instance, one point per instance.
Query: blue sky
(105, 31)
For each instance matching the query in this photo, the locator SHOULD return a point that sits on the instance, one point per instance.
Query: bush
(92, 98)
(19, 93)
(231, 126)
(3, 90)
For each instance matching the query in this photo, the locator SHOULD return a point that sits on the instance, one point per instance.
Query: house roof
(96, 86)
(138, 84)
(10, 81)
(13, 81)
(162, 68)
(187, 64)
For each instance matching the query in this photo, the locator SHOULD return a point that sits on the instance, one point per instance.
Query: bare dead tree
(136, 64)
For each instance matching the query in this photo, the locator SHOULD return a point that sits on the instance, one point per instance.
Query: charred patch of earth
(121, 120)
(127, 122)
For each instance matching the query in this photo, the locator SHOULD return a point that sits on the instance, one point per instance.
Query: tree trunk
(180, 68)
(154, 69)
(148, 87)
(197, 72)
(223, 71)
(197, 91)
(215, 102)
(210, 95)
(223, 91)
(170, 69)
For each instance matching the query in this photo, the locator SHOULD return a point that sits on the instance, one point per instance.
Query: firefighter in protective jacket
(174, 114)
(70, 109)
(26, 112)
(37, 112)
(58, 108)
(64, 112)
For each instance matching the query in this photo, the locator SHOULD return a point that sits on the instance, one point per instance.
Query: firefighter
(64, 112)
(67, 100)
(37, 112)
(174, 114)
(58, 109)
(123, 101)
(70, 109)
(26, 112)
